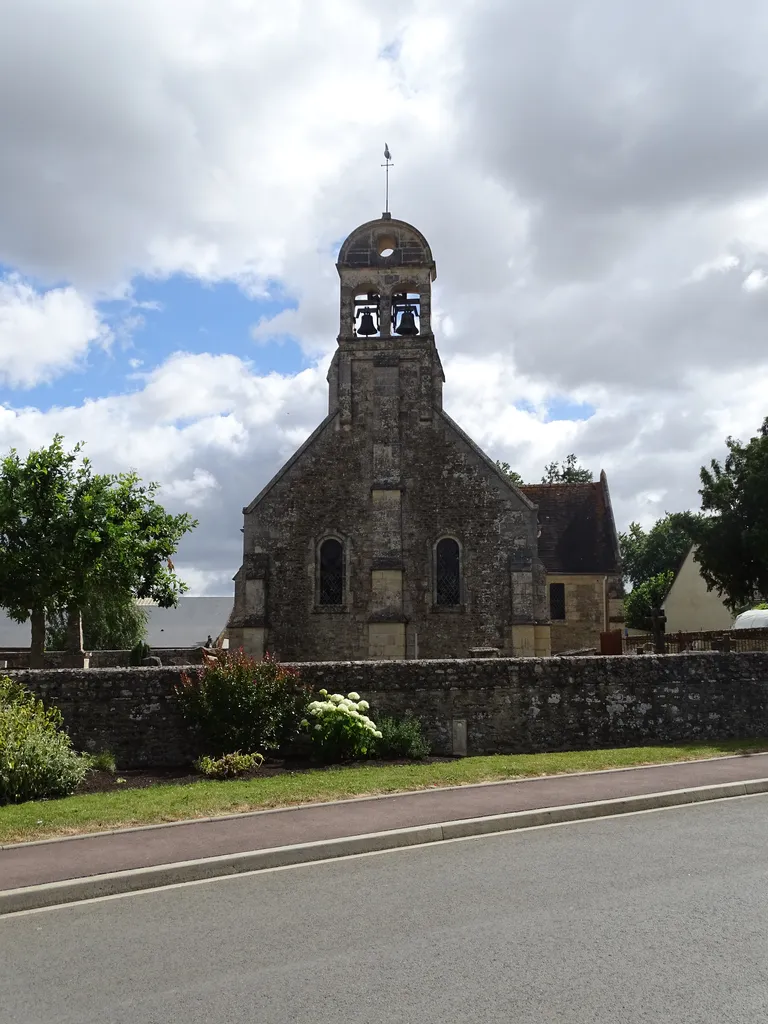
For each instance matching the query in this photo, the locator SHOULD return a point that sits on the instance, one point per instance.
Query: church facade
(389, 533)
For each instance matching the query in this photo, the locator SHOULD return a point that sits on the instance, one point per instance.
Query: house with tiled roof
(579, 547)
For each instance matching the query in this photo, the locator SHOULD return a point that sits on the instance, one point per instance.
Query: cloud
(42, 334)
(593, 182)
(209, 428)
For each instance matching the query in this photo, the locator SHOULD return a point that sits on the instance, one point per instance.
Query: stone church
(389, 533)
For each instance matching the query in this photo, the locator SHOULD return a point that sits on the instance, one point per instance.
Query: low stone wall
(500, 704)
(19, 658)
(131, 711)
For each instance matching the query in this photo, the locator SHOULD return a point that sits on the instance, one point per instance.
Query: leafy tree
(108, 625)
(732, 542)
(661, 549)
(570, 472)
(70, 538)
(650, 594)
(513, 477)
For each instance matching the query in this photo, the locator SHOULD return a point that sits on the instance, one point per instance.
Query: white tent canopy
(755, 618)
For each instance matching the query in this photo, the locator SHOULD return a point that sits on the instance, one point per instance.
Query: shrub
(228, 766)
(36, 755)
(340, 730)
(138, 653)
(102, 761)
(402, 737)
(238, 703)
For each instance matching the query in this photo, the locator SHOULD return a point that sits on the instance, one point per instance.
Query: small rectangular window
(557, 601)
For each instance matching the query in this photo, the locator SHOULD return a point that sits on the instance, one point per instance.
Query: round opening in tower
(385, 245)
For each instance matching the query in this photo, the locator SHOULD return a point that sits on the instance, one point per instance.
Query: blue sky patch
(164, 316)
(564, 409)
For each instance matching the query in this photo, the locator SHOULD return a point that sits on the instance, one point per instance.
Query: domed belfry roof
(387, 243)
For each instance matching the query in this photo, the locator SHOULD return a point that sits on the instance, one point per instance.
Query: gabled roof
(189, 624)
(14, 634)
(292, 461)
(578, 534)
(519, 492)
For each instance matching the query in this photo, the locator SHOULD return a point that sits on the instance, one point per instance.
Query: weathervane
(387, 165)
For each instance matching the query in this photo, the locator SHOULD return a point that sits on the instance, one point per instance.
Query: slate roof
(187, 625)
(578, 533)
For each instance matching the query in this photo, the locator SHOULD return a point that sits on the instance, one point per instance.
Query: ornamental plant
(339, 728)
(36, 755)
(402, 737)
(238, 703)
(228, 766)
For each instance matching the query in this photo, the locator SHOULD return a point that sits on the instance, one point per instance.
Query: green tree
(661, 549)
(70, 538)
(569, 472)
(513, 477)
(732, 540)
(643, 598)
(108, 625)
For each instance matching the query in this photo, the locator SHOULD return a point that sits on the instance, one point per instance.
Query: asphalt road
(654, 917)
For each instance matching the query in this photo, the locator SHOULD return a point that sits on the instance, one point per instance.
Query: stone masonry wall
(131, 711)
(585, 613)
(509, 705)
(19, 657)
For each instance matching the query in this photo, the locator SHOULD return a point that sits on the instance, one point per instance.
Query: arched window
(448, 572)
(406, 313)
(331, 590)
(366, 314)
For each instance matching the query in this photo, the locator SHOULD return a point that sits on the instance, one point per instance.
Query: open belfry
(389, 533)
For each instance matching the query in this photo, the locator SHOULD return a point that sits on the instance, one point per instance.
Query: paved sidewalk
(58, 860)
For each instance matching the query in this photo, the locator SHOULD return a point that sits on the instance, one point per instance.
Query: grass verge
(97, 811)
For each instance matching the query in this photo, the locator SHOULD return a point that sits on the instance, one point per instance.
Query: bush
(228, 766)
(402, 737)
(238, 703)
(103, 761)
(36, 755)
(340, 730)
(138, 653)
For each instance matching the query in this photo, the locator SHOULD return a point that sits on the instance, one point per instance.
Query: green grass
(97, 811)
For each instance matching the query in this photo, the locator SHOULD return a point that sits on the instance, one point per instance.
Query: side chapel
(389, 533)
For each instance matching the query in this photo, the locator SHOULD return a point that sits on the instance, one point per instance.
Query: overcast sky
(176, 177)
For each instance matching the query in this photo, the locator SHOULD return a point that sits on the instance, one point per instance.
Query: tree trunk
(37, 648)
(74, 630)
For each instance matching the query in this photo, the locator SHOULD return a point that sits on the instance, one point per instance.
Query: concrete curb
(95, 886)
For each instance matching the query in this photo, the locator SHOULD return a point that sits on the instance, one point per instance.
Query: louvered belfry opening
(331, 572)
(448, 572)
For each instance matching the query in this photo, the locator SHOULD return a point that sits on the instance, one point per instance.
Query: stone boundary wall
(498, 704)
(18, 658)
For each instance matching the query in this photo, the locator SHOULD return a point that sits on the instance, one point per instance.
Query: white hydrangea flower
(323, 693)
(377, 734)
(337, 698)
(304, 723)
(318, 728)
(353, 696)
(363, 705)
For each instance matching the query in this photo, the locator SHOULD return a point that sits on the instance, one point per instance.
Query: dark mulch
(141, 778)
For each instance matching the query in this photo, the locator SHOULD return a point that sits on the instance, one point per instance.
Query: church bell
(367, 326)
(407, 323)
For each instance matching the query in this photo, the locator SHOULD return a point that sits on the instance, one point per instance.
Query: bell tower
(386, 272)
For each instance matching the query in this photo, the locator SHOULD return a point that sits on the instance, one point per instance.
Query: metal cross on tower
(387, 165)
